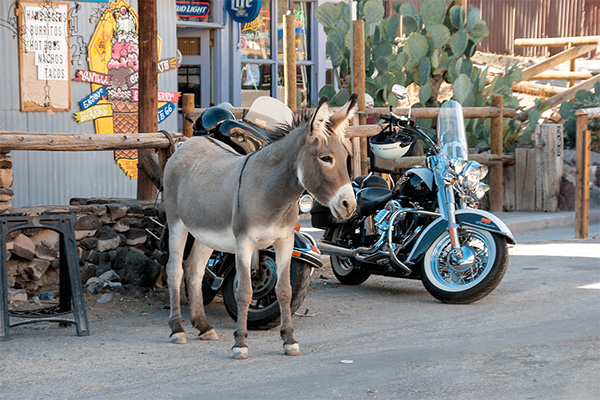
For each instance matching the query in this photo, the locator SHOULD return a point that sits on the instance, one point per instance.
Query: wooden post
(549, 166)
(582, 179)
(496, 147)
(358, 79)
(289, 66)
(148, 87)
(571, 82)
(188, 107)
(525, 179)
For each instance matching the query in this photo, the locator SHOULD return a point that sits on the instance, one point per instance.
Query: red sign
(92, 77)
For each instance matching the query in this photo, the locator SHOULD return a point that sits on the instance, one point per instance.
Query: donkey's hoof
(178, 338)
(291, 349)
(209, 335)
(240, 353)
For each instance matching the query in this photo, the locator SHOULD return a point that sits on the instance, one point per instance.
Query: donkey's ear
(320, 120)
(341, 119)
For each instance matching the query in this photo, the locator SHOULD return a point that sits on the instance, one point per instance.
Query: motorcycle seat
(365, 181)
(373, 198)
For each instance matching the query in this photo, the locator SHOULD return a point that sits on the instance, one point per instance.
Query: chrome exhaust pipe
(333, 250)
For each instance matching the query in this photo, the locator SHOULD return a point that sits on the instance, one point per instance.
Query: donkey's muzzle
(343, 204)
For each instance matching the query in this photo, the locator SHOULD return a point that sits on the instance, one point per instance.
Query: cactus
(583, 99)
(437, 47)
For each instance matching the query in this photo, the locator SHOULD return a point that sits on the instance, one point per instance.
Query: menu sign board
(44, 56)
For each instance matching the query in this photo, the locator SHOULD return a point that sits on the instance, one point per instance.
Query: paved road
(536, 337)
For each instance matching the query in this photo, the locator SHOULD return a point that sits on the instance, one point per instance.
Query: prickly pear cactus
(437, 47)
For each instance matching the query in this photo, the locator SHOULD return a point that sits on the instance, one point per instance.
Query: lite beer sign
(243, 11)
(192, 9)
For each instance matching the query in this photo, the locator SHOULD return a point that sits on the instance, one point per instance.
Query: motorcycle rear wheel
(467, 283)
(345, 268)
(264, 311)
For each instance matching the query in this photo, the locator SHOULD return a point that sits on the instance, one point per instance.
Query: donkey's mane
(301, 117)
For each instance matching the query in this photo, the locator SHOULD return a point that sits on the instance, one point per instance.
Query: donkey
(239, 204)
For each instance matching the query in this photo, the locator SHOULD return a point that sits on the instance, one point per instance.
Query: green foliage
(438, 45)
(583, 99)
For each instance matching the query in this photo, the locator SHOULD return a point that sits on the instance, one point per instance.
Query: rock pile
(115, 251)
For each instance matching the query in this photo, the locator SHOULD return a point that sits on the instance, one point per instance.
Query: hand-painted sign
(168, 97)
(93, 98)
(46, 32)
(113, 74)
(95, 112)
(167, 64)
(91, 77)
(243, 11)
(192, 9)
(165, 111)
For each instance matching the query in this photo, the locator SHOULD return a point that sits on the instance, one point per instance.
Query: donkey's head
(322, 166)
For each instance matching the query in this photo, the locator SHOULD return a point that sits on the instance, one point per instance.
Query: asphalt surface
(537, 336)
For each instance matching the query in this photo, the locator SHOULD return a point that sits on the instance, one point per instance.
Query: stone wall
(113, 247)
(6, 181)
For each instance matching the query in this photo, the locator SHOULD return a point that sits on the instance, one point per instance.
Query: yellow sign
(95, 112)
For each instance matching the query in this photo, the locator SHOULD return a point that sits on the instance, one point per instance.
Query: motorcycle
(246, 136)
(428, 226)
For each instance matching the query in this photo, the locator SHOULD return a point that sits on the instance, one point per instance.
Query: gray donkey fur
(239, 204)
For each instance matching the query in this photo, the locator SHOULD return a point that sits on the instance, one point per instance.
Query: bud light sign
(192, 9)
(243, 11)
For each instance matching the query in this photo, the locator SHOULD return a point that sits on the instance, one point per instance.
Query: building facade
(218, 58)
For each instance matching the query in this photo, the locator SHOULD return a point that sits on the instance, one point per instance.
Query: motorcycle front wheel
(264, 312)
(484, 263)
(345, 268)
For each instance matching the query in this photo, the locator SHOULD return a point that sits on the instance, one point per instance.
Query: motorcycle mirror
(400, 92)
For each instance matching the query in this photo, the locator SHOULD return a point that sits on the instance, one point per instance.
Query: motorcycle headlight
(305, 203)
(481, 189)
(474, 172)
(459, 164)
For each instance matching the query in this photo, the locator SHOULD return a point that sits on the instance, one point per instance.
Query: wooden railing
(582, 180)
(153, 165)
(576, 46)
(495, 160)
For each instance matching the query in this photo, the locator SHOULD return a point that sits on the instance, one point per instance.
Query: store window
(262, 52)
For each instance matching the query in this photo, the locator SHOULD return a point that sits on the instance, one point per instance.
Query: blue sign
(93, 98)
(192, 9)
(243, 11)
(165, 111)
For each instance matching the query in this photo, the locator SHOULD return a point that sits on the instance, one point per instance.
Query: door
(194, 73)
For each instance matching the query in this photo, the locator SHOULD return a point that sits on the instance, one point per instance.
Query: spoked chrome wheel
(469, 275)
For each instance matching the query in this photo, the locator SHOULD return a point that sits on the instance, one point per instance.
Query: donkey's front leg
(177, 237)
(243, 297)
(194, 273)
(283, 289)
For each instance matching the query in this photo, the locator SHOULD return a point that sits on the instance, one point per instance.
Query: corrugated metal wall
(511, 19)
(52, 178)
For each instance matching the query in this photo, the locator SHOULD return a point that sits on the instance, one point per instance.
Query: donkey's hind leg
(194, 273)
(177, 237)
(283, 290)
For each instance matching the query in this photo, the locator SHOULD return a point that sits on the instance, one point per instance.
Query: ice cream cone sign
(113, 58)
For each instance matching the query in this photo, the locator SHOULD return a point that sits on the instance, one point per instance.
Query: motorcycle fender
(470, 217)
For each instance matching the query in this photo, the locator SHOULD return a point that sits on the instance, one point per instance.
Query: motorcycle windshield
(268, 112)
(452, 138)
